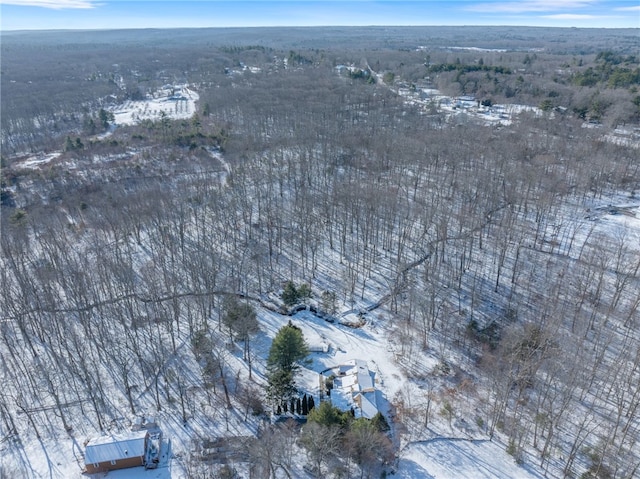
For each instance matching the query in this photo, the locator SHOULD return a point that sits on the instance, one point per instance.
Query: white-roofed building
(354, 387)
(367, 403)
(107, 453)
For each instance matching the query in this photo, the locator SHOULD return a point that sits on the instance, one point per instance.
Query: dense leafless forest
(507, 252)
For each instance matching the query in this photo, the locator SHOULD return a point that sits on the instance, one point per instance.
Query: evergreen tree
(287, 352)
(290, 294)
(380, 422)
(68, 144)
(312, 403)
(305, 405)
(105, 118)
(304, 292)
(280, 386)
(288, 349)
(328, 415)
(298, 406)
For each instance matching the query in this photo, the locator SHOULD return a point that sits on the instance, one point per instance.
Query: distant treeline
(479, 67)
(607, 71)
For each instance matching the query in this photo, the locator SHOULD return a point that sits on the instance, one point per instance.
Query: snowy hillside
(471, 272)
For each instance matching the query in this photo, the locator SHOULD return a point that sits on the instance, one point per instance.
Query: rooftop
(355, 387)
(115, 447)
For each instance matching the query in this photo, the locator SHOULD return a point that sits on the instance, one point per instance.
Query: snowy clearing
(452, 458)
(177, 102)
(35, 161)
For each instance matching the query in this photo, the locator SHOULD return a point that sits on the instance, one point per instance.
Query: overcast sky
(106, 14)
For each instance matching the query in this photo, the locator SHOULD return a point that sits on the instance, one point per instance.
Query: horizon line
(69, 30)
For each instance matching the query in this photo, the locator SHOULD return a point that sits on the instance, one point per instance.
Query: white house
(354, 387)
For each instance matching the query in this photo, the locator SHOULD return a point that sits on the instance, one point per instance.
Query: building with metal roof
(107, 453)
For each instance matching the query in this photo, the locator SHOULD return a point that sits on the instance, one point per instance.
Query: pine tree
(312, 403)
(304, 292)
(380, 422)
(280, 386)
(298, 406)
(290, 294)
(287, 352)
(305, 405)
(68, 144)
(288, 349)
(105, 118)
(328, 415)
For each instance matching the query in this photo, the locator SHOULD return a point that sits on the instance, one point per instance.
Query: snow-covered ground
(454, 458)
(177, 103)
(438, 458)
(435, 458)
(35, 161)
(441, 457)
(430, 98)
(441, 451)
